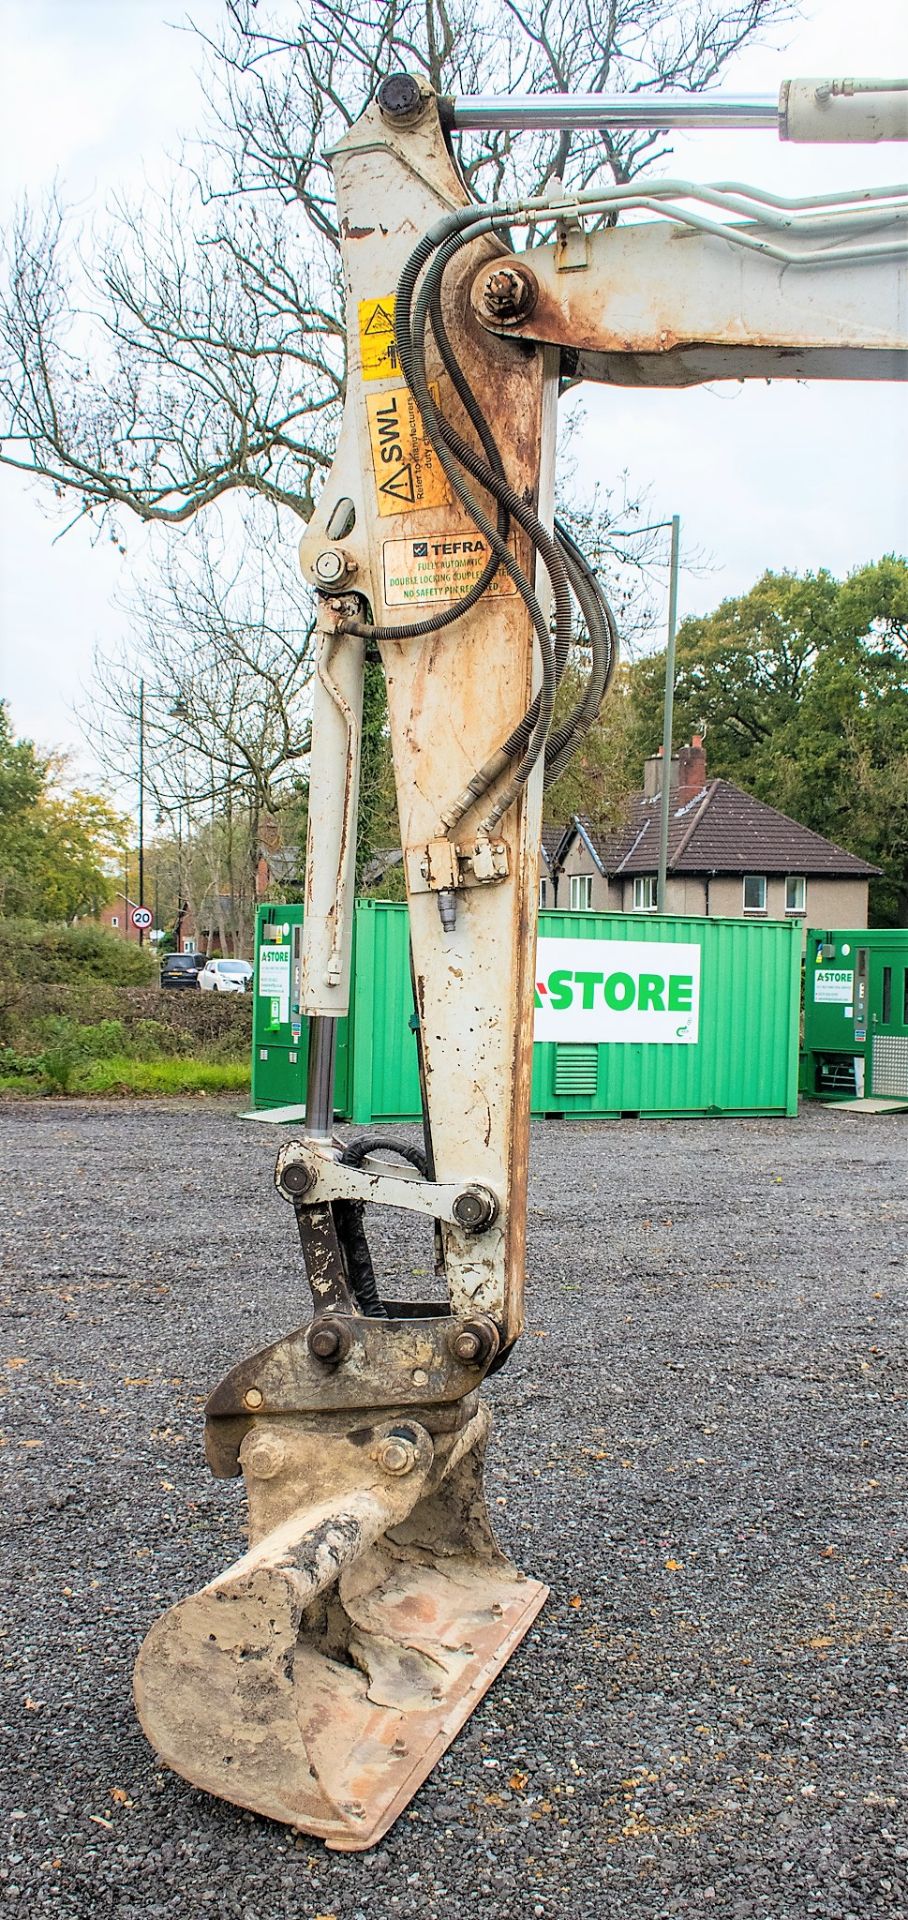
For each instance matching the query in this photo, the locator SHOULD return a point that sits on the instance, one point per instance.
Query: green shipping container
(280, 1041)
(727, 1044)
(723, 1009)
(856, 1014)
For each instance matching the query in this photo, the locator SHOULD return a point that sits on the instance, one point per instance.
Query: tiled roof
(284, 863)
(380, 863)
(551, 841)
(719, 829)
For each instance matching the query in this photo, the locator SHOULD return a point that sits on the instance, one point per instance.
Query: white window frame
(114, 919)
(644, 893)
(797, 909)
(543, 890)
(188, 946)
(581, 885)
(761, 880)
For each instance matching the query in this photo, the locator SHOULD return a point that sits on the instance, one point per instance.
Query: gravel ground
(700, 1445)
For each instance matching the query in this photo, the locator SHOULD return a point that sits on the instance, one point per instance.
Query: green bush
(29, 950)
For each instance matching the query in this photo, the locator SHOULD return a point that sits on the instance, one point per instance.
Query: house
(279, 868)
(548, 868)
(730, 856)
(116, 917)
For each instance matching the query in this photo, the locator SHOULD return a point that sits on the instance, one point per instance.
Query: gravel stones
(700, 1444)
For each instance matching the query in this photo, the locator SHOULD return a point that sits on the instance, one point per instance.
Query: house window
(581, 892)
(543, 891)
(795, 893)
(645, 893)
(114, 919)
(754, 893)
(189, 946)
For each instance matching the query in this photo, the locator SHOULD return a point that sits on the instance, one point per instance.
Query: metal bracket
(439, 866)
(572, 247)
(311, 1176)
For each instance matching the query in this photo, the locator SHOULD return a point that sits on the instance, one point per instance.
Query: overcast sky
(97, 92)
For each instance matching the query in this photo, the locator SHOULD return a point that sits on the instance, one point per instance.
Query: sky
(97, 94)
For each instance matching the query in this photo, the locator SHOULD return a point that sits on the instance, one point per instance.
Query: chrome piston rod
(813, 110)
(523, 112)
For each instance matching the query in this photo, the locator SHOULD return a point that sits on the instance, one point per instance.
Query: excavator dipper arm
(318, 1679)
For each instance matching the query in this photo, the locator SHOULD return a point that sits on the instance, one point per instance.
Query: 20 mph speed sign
(141, 917)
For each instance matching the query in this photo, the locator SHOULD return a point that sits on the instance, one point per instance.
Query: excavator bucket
(320, 1677)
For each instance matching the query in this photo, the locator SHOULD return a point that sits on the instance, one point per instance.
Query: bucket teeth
(320, 1677)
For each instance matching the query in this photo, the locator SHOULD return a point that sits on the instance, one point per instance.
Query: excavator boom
(318, 1679)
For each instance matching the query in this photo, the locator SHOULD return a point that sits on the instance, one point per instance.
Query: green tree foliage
(606, 766)
(801, 689)
(56, 847)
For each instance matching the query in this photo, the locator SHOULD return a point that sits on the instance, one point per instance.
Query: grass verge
(120, 1074)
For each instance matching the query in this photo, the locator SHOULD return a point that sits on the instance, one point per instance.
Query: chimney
(652, 774)
(691, 775)
(269, 833)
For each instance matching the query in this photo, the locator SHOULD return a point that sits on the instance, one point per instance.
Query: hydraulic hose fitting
(447, 908)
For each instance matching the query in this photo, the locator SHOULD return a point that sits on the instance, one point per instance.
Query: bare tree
(191, 354)
(195, 348)
(226, 632)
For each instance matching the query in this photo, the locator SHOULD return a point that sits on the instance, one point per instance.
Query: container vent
(835, 1074)
(576, 1069)
(890, 1065)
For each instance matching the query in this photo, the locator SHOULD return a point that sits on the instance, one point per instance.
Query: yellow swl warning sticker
(441, 566)
(377, 345)
(407, 473)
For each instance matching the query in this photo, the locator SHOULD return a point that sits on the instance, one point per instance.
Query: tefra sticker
(407, 472)
(441, 566)
(377, 345)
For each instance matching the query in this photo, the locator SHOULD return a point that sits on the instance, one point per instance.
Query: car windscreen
(180, 963)
(234, 966)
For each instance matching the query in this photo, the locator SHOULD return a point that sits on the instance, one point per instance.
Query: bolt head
(467, 1346)
(297, 1178)
(330, 566)
(474, 1209)
(330, 1340)
(253, 1398)
(395, 1456)
(263, 1455)
(400, 96)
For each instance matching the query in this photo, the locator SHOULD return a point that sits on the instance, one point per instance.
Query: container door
(888, 1021)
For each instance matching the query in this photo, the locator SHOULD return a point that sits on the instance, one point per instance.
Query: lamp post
(668, 715)
(177, 712)
(141, 804)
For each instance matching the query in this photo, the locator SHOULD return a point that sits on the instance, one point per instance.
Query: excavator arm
(318, 1679)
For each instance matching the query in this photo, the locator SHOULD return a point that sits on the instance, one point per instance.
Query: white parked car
(225, 976)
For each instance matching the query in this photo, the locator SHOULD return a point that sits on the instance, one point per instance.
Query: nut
(510, 293)
(330, 1339)
(467, 1345)
(475, 1343)
(395, 1454)
(263, 1454)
